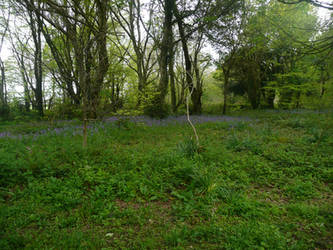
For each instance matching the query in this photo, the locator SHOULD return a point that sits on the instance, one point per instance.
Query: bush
(152, 106)
(4, 112)
(156, 110)
(64, 111)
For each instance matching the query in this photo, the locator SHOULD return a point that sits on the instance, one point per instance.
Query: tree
(85, 27)
(226, 36)
(320, 4)
(128, 16)
(35, 26)
(159, 106)
(28, 54)
(321, 44)
(289, 48)
(200, 63)
(4, 24)
(64, 71)
(269, 51)
(206, 14)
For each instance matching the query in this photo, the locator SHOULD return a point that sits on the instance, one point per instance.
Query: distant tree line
(95, 57)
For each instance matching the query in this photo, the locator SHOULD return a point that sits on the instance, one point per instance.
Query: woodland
(166, 124)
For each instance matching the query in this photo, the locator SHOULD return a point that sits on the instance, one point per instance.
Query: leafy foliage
(137, 186)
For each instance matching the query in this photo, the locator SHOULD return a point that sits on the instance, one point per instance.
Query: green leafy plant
(188, 148)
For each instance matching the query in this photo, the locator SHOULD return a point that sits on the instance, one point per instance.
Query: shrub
(155, 110)
(4, 112)
(64, 111)
(151, 105)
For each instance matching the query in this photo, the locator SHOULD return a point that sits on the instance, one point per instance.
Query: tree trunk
(225, 90)
(172, 78)
(26, 97)
(196, 100)
(253, 90)
(36, 30)
(39, 75)
(103, 60)
(323, 81)
(270, 96)
(164, 55)
(3, 98)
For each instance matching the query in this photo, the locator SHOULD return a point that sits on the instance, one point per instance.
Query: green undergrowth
(261, 184)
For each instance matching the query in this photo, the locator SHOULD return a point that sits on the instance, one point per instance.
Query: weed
(300, 190)
(241, 144)
(188, 147)
(255, 235)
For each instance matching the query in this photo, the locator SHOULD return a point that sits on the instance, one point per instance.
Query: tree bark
(172, 77)
(3, 88)
(164, 54)
(36, 31)
(225, 90)
(3, 98)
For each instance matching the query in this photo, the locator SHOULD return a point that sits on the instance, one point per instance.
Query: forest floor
(259, 180)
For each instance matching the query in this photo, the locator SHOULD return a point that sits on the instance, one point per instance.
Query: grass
(261, 184)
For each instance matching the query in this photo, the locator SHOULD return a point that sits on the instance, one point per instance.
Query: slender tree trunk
(89, 84)
(39, 74)
(164, 55)
(322, 80)
(197, 105)
(172, 78)
(181, 92)
(270, 96)
(36, 30)
(26, 97)
(253, 89)
(3, 99)
(298, 99)
(225, 90)
(322, 91)
(3, 88)
(172, 85)
(83, 83)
